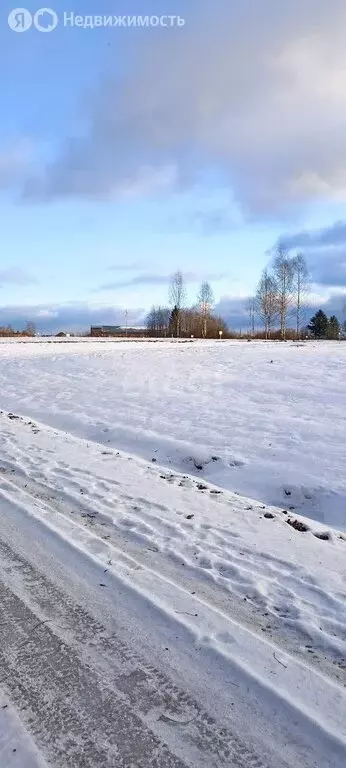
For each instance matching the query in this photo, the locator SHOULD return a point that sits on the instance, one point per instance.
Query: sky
(128, 153)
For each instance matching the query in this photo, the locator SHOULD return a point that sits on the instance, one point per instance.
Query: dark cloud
(16, 276)
(234, 312)
(328, 267)
(335, 305)
(331, 236)
(254, 92)
(68, 317)
(325, 252)
(77, 318)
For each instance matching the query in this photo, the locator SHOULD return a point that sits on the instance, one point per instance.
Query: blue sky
(126, 154)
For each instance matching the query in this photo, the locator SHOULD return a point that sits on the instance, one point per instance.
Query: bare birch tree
(266, 302)
(283, 272)
(30, 329)
(205, 302)
(177, 297)
(301, 286)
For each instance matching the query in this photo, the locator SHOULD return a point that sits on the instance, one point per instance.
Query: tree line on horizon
(176, 319)
(279, 306)
(28, 330)
(278, 310)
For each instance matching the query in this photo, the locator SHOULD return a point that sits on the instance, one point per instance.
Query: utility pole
(126, 316)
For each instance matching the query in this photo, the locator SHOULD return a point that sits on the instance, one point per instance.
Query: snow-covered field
(264, 420)
(165, 488)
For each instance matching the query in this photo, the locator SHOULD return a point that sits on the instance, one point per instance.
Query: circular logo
(20, 20)
(45, 20)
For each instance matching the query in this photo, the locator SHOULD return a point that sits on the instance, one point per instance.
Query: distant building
(115, 330)
(105, 330)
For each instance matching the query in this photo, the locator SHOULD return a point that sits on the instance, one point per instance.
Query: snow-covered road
(148, 619)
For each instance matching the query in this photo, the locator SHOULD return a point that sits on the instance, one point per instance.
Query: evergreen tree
(177, 298)
(319, 325)
(334, 327)
(174, 321)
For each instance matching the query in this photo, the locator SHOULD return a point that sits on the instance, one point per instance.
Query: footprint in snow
(323, 536)
(297, 525)
(236, 464)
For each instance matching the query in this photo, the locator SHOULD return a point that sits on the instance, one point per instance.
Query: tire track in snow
(84, 713)
(48, 510)
(230, 745)
(292, 636)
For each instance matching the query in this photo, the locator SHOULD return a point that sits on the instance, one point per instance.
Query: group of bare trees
(179, 320)
(29, 330)
(281, 294)
(177, 299)
(280, 302)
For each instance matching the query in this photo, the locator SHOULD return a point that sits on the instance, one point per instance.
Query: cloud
(16, 276)
(134, 282)
(325, 252)
(328, 267)
(157, 279)
(15, 158)
(78, 317)
(335, 305)
(334, 235)
(331, 271)
(68, 317)
(233, 309)
(254, 93)
(207, 221)
(213, 222)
